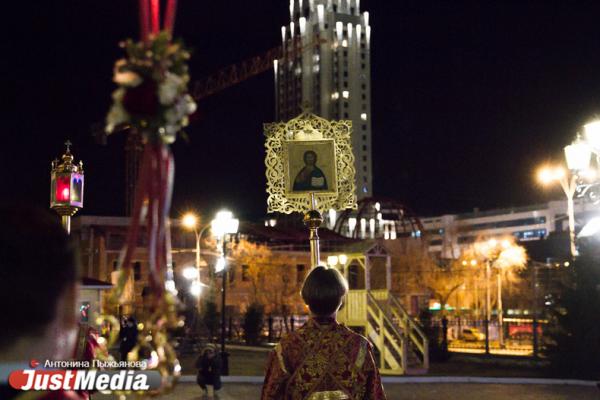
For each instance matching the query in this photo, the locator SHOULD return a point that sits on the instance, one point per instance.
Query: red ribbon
(170, 15)
(155, 10)
(152, 203)
(150, 17)
(144, 19)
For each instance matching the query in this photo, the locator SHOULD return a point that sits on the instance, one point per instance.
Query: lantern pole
(66, 187)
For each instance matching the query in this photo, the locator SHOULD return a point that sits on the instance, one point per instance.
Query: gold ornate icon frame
(303, 129)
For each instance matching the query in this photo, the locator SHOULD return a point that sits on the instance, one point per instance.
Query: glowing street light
(191, 273)
(332, 261)
(190, 221)
(592, 134)
(343, 259)
(502, 254)
(196, 288)
(224, 224)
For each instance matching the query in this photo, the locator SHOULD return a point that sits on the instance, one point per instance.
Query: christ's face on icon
(310, 158)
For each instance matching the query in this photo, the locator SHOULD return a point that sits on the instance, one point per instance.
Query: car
(472, 335)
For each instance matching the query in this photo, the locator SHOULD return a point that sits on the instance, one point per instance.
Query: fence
(514, 337)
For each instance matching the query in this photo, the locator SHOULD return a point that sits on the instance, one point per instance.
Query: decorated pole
(66, 187)
(313, 220)
(152, 99)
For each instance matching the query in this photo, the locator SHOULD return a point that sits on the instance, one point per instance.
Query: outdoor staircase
(401, 347)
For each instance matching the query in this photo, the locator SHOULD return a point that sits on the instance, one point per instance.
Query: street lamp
(191, 222)
(568, 183)
(578, 156)
(224, 224)
(66, 187)
(501, 254)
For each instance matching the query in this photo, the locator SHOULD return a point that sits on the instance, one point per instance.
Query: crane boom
(236, 73)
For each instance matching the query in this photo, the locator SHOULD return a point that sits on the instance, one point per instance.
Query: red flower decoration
(142, 99)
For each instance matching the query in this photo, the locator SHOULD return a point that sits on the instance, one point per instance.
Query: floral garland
(152, 96)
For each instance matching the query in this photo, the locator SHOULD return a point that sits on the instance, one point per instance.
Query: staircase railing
(390, 342)
(412, 329)
(389, 326)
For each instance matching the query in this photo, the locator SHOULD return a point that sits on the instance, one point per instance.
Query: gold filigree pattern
(362, 352)
(308, 126)
(279, 353)
(331, 395)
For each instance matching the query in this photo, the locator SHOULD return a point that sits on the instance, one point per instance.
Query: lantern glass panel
(63, 188)
(77, 189)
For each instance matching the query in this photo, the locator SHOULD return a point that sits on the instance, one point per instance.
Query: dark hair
(307, 152)
(323, 290)
(38, 262)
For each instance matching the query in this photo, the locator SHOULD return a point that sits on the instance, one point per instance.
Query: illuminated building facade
(326, 63)
(449, 234)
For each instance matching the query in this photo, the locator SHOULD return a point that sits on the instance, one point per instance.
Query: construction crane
(224, 78)
(237, 73)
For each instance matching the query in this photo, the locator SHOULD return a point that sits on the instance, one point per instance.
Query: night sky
(468, 98)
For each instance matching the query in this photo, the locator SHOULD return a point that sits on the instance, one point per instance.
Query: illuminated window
(363, 116)
(335, 95)
(346, 94)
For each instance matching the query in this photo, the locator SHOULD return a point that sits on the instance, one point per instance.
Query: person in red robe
(323, 359)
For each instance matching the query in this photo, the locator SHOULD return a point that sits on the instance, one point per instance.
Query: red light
(63, 190)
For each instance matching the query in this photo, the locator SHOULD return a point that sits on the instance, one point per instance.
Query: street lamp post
(190, 222)
(488, 306)
(500, 254)
(578, 156)
(224, 224)
(568, 183)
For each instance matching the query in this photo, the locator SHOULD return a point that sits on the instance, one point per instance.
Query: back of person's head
(38, 264)
(323, 290)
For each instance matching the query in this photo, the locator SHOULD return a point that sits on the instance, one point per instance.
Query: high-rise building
(326, 64)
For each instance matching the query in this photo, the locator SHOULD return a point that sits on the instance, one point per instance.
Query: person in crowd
(38, 292)
(323, 359)
(128, 336)
(209, 371)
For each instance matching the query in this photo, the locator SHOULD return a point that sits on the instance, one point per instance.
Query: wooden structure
(371, 309)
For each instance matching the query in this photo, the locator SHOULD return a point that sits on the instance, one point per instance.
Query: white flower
(191, 104)
(117, 115)
(169, 89)
(171, 116)
(170, 133)
(127, 78)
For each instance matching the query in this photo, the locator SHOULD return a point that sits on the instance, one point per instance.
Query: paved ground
(433, 391)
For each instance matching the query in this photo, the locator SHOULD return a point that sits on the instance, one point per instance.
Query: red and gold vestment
(323, 360)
